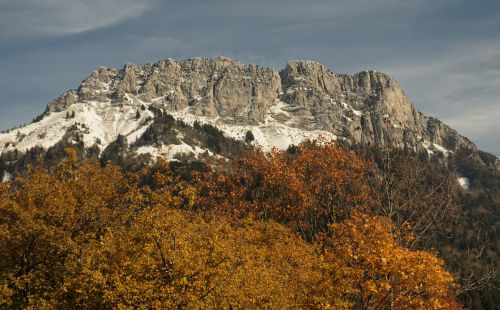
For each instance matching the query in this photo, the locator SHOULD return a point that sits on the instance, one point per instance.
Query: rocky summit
(279, 108)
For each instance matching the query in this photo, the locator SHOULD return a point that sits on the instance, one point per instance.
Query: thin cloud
(462, 76)
(300, 10)
(482, 125)
(480, 121)
(61, 17)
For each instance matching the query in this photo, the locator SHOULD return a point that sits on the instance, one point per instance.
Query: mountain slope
(279, 108)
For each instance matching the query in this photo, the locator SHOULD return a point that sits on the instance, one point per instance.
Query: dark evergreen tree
(120, 140)
(249, 137)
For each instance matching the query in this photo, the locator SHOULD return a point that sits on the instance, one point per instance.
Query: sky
(445, 54)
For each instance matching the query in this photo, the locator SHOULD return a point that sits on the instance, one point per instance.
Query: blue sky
(445, 54)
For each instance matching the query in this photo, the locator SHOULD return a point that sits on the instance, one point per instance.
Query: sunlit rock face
(304, 100)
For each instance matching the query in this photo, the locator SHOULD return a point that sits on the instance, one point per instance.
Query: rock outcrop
(367, 108)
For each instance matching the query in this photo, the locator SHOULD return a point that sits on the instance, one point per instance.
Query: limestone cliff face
(219, 87)
(368, 107)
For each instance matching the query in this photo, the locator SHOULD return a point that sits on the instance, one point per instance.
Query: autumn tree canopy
(306, 188)
(278, 230)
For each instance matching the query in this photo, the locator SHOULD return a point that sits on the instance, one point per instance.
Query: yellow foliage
(86, 236)
(176, 259)
(370, 268)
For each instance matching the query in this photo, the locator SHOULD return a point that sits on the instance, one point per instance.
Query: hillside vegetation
(288, 229)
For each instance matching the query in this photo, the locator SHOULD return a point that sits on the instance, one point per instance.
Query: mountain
(200, 108)
(264, 106)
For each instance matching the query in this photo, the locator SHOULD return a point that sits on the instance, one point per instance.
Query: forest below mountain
(315, 226)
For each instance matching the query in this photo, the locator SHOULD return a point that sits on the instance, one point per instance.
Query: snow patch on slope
(100, 123)
(464, 182)
(6, 177)
(170, 152)
(431, 147)
(268, 134)
(45, 133)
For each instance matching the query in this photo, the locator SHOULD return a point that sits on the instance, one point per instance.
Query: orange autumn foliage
(306, 190)
(91, 237)
(86, 236)
(367, 266)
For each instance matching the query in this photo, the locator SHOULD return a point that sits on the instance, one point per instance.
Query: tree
(94, 237)
(306, 190)
(249, 137)
(418, 197)
(90, 236)
(366, 265)
(120, 140)
(173, 259)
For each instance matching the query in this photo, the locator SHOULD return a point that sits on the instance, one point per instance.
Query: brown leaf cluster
(307, 189)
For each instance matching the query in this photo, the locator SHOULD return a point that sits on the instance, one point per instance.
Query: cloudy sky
(445, 54)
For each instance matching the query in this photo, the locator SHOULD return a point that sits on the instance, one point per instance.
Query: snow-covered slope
(279, 108)
(99, 123)
(271, 133)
